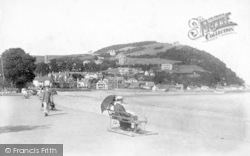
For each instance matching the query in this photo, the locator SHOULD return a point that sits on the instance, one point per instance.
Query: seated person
(119, 109)
(25, 92)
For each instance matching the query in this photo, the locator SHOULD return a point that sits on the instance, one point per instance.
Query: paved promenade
(85, 132)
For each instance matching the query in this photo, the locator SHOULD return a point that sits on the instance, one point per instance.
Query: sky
(59, 27)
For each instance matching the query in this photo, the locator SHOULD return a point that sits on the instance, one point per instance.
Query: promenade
(82, 129)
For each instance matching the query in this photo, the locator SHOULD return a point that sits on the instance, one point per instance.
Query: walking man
(46, 100)
(40, 95)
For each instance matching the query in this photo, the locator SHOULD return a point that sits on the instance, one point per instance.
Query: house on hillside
(124, 70)
(148, 85)
(85, 62)
(160, 87)
(204, 88)
(111, 53)
(83, 83)
(91, 76)
(98, 61)
(42, 81)
(131, 80)
(167, 66)
(135, 85)
(177, 87)
(146, 73)
(60, 75)
(102, 84)
(120, 55)
(149, 73)
(121, 59)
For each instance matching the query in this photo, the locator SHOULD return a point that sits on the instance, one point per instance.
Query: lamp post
(2, 68)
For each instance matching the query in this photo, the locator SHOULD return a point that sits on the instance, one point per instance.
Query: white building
(131, 80)
(167, 66)
(91, 76)
(83, 83)
(121, 59)
(112, 52)
(85, 62)
(124, 70)
(42, 81)
(102, 84)
(98, 61)
(100, 58)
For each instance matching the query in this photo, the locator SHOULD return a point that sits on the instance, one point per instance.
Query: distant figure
(46, 99)
(25, 93)
(40, 95)
(119, 109)
(52, 104)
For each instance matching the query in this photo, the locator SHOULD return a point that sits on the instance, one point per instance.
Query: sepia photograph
(124, 77)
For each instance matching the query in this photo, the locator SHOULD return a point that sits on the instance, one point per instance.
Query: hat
(118, 97)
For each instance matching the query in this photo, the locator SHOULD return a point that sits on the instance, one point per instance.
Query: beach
(186, 123)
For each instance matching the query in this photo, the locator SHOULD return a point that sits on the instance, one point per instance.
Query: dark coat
(119, 109)
(47, 96)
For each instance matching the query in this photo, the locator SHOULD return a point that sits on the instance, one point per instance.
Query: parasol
(107, 102)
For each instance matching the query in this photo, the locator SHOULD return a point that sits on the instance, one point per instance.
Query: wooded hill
(216, 71)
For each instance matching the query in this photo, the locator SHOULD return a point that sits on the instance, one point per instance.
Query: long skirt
(46, 107)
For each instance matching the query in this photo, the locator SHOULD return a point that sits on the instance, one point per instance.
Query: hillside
(212, 71)
(151, 49)
(121, 46)
(40, 58)
(147, 61)
(138, 48)
(129, 49)
(82, 57)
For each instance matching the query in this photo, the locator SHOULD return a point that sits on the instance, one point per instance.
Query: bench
(121, 117)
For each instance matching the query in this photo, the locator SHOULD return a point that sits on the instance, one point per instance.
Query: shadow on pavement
(56, 110)
(57, 114)
(10, 129)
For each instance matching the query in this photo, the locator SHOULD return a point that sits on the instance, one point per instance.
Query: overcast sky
(43, 27)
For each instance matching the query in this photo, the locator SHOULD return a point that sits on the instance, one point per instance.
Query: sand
(188, 124)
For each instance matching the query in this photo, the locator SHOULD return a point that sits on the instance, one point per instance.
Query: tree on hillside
(63, 66)
(18, 67)
(53, 66)
(42, 69)
(78, 66)
(108, 64)
(77, 76)
(162, 78)
(91, 67)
